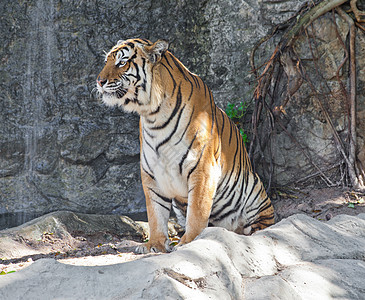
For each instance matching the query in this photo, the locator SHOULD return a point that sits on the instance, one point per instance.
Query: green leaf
(4, 273)
(244, 135)
(230, 110)
(351, 205)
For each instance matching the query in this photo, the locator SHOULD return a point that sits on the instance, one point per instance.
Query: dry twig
(295, 72)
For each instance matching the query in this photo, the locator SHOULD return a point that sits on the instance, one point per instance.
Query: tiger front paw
(184, 240)
(153, 247)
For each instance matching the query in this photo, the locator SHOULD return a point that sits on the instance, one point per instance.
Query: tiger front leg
(158, 212)
(200, 199)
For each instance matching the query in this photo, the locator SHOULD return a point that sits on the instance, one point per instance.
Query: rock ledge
(298, 258)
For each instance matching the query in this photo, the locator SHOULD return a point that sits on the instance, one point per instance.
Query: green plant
(4, 273)
(236, 113)
(244, 136)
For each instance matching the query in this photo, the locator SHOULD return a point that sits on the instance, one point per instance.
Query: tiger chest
(164, 164)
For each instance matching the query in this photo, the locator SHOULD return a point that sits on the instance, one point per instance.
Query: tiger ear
(155, 51)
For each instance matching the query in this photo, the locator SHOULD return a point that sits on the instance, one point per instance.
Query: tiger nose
(101, 81)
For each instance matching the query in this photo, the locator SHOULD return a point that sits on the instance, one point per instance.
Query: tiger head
(127, 77)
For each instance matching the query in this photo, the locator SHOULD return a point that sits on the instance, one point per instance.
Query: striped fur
(193, 159)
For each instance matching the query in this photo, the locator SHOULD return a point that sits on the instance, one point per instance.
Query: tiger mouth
(120, 93)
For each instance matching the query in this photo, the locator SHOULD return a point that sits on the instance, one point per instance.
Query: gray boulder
(65, 231)
(298, 258)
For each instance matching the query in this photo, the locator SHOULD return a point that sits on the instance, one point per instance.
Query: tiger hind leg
(261, 211)
(265, 218)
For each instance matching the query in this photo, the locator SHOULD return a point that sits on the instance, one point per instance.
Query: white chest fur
(167, 161)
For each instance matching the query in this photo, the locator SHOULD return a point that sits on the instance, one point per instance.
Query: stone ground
(297, 258)
(96, 248)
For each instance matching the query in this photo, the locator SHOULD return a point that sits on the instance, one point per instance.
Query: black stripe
(136, 95)
(152, 177)
(187, 126)
(191, 92)
(165, 207)
(138, 77)
(230, 201)
(181, 70)
(234, 210)
(196, 80)
(223, 117)
(149, 121)
(238, 174)
(174, 112)
(144, 40)
(173, 131)
(143, 66)
(232, 187)
(227, 204)
(233, 165)
(253, 187)
(229, 178)
(205, 89)
(259, 221)
(165, 199)
(172, 77)
(244, 206)
(222, 196)
(216, 213)
(143, 85)
(179, 66)
(155, 112)
(216, 152)
(220, 183)
(215, 117)
(186, 153)
(180, 204)
(230, 133)
(264, 204)
(212, 110)
(148, 133)
(196, 165)
(147, 143)
(240, 196)
(191, 189)
(166, 57)
(145, 159)
(247, 174)
(264, 207)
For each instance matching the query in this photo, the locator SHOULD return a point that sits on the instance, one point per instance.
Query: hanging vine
(270, 103)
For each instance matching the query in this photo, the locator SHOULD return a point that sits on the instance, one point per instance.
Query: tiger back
(193, 158)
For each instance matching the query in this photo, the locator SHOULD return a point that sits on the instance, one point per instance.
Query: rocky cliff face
(59, 147)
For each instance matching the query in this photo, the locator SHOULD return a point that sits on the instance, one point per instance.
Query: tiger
(193, 159)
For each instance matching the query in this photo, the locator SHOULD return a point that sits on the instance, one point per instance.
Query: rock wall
(59, 147)
(314, 149)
